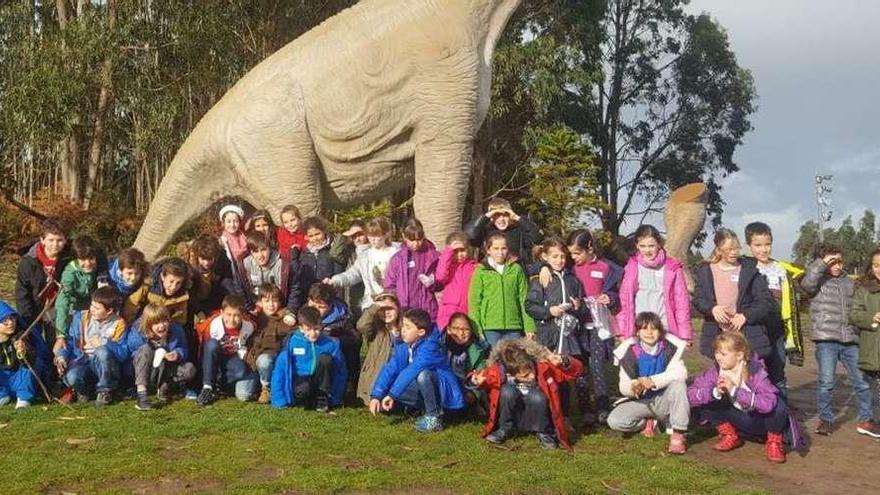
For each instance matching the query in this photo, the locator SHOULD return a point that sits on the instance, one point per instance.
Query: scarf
(315, 248)
(287, 240)
(49, 267)
(735, 374)
(655, 263)
(237, 244)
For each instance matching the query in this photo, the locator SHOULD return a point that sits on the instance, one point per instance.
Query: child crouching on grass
(523, 382)
(736, 397)
(160, 352)
(274, 324)
(652, 381)
(310, 371)
(417, 375)
(16, 381)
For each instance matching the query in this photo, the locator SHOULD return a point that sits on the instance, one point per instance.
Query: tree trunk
(105, 97)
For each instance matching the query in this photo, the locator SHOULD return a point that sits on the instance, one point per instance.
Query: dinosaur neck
(499, 13)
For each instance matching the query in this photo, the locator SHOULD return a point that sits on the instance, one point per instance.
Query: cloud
(862, 162)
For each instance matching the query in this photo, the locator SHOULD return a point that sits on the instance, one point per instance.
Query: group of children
(513, 333)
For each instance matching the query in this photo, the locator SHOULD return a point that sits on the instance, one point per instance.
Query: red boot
(727, 438)
(774, 448)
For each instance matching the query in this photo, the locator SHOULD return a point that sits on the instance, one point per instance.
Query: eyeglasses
(460, 328)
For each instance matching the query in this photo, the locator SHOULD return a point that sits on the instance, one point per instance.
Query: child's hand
(603, 299)
(327, 281)
(60, 365)
(375, 406)
(720, 315)
(724, 385)
(831, 259)
(576, 303)
(877, 318)
(530, 336)
(647, 383)
(555, 359)
(426, 280)
(289, 320)
(738, 321)
(478, 378)
(557, 311)
(544, 277)
(637, 388)
(387, 403)
(95, 343)
(19, 346)
(171, 356)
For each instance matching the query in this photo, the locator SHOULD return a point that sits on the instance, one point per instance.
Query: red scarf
(286, 240)
(49, 266)
(237, 244)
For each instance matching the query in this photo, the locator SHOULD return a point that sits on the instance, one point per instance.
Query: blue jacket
(73, 348)
(116, 280)
(299, 359)
(176, 341)
(39, 353)
(427, 354)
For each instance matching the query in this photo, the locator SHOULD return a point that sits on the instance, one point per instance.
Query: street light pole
(824, 211)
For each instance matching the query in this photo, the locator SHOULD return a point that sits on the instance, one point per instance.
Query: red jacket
(549, 378)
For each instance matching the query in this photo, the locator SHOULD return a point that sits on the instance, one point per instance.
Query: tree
(857, 244)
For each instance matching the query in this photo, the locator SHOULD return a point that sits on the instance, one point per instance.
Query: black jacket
(753, 301)
(31, 280)
(538, 303)
(314, 267)
(521, 236)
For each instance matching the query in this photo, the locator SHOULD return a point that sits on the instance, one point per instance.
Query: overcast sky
(817, 73)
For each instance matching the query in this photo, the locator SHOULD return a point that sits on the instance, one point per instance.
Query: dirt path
(845, 462)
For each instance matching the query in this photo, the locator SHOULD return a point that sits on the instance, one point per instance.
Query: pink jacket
(678, 308)
(455, 278)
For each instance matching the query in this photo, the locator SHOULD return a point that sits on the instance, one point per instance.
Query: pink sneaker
(650, 426)
(677, 444)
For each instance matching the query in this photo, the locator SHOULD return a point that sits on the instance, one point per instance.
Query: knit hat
(233, 209)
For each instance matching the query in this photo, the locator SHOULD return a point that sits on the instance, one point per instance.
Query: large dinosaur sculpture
(684, 216)
(384, 93)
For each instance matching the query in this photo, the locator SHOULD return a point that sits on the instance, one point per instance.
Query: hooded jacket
(562, 288)
(298, 359)
(548, 376)
(76, 287)
(496, 301)
(279, 272)
(829, 308)
(327, 261)
(625, 356)
(370, 268)
(380, 341)
(521, 236)
(117, 343)
(37, 353)
(865, 305)
(119, 283)
(675, 298)
(31, 280)
(176, 341)
(402, 277)
(454, 279)
(151, 291)
(268, 337)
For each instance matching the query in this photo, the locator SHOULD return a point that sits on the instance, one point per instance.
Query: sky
(817, 75)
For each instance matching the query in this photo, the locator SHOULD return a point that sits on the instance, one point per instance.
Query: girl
(865, 314)
(411, 270)
(233, 240)
(652, 382)
(261, 221)
(732, 295)
(324, 256)
(736, 397)
(380, 327)
(466, 354)
(290, 235)
(654, 282)
(497, 295)
(371, 264)
(455, 268)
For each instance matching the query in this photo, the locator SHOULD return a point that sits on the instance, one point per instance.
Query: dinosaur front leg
(442, 170)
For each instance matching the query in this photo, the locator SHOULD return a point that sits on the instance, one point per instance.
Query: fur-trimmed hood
(533, 348)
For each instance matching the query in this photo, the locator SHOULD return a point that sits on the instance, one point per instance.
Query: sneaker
(206, 397)
(191, 394)
(264, 395)
(869, 428)
(143, 402)
(728, 439)
(321, 404)
(774, 448)
(103, 399)
(21, 404)
(547, 441)
(498, 436)
(163, 393)
(427, 424)
(650, 426)
(826, 428)
(82, 398)
(5, 400)
(677, 444)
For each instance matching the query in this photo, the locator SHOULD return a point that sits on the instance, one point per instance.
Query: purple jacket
(676, 297)
(455, 279)
(761, 396)
(402, 277)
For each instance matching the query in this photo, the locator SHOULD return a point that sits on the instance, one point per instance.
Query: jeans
(775, 363)
(235, 374)
(18, 384)
(524, 412)
(751, 424)
(828, 353)
(494, 336)
(167, 373)
(265, 363)
(423, 393)
(308, 390)
(98, 371)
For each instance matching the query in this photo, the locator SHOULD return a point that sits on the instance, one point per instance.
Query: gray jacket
(829, 309)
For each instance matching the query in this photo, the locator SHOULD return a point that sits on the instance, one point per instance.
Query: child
(521, 232)
(370, 265)
(783, 323)
(466, 353)
(455, 268)
(311, 369)
(212, 277)
(835, 338)
(291, 234)
(232, 239)
(127, 271)
(417, 375)
(732, 295)
(223, 353)
(380, 327)
(411, 270)
(94, 348)
(497, 295)
(274, 324)
(160, 356)
(522, 381)
(168, 286)
(325, 255)
(16, 381)
(261, 221)
(736, 397)
(865, 315)
(654, 282)
(265, 265)
(78, 280)
(652, 381)
(338, 323)
(41, 265)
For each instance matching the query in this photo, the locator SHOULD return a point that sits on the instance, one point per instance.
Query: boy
(417, 374)
(77, 281)
(311, 369)
(338, 323)
(94, 348)
(41, 265)
(211, 276)
(168, 286)
(836, 340)
(16, 381)
(522, 233)
(523, 383)
(224, 352)
(126, 273)
(265, 265)
(274, 324)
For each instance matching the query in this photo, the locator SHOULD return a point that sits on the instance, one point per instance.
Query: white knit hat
(231, 209)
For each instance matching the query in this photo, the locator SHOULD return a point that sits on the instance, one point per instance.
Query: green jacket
(497, 301)
(76, 288)
(866, 304)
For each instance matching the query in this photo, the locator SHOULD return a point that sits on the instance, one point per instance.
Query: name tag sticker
(411, 264)
(734, 278)
(596, 274)
(299, 351)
